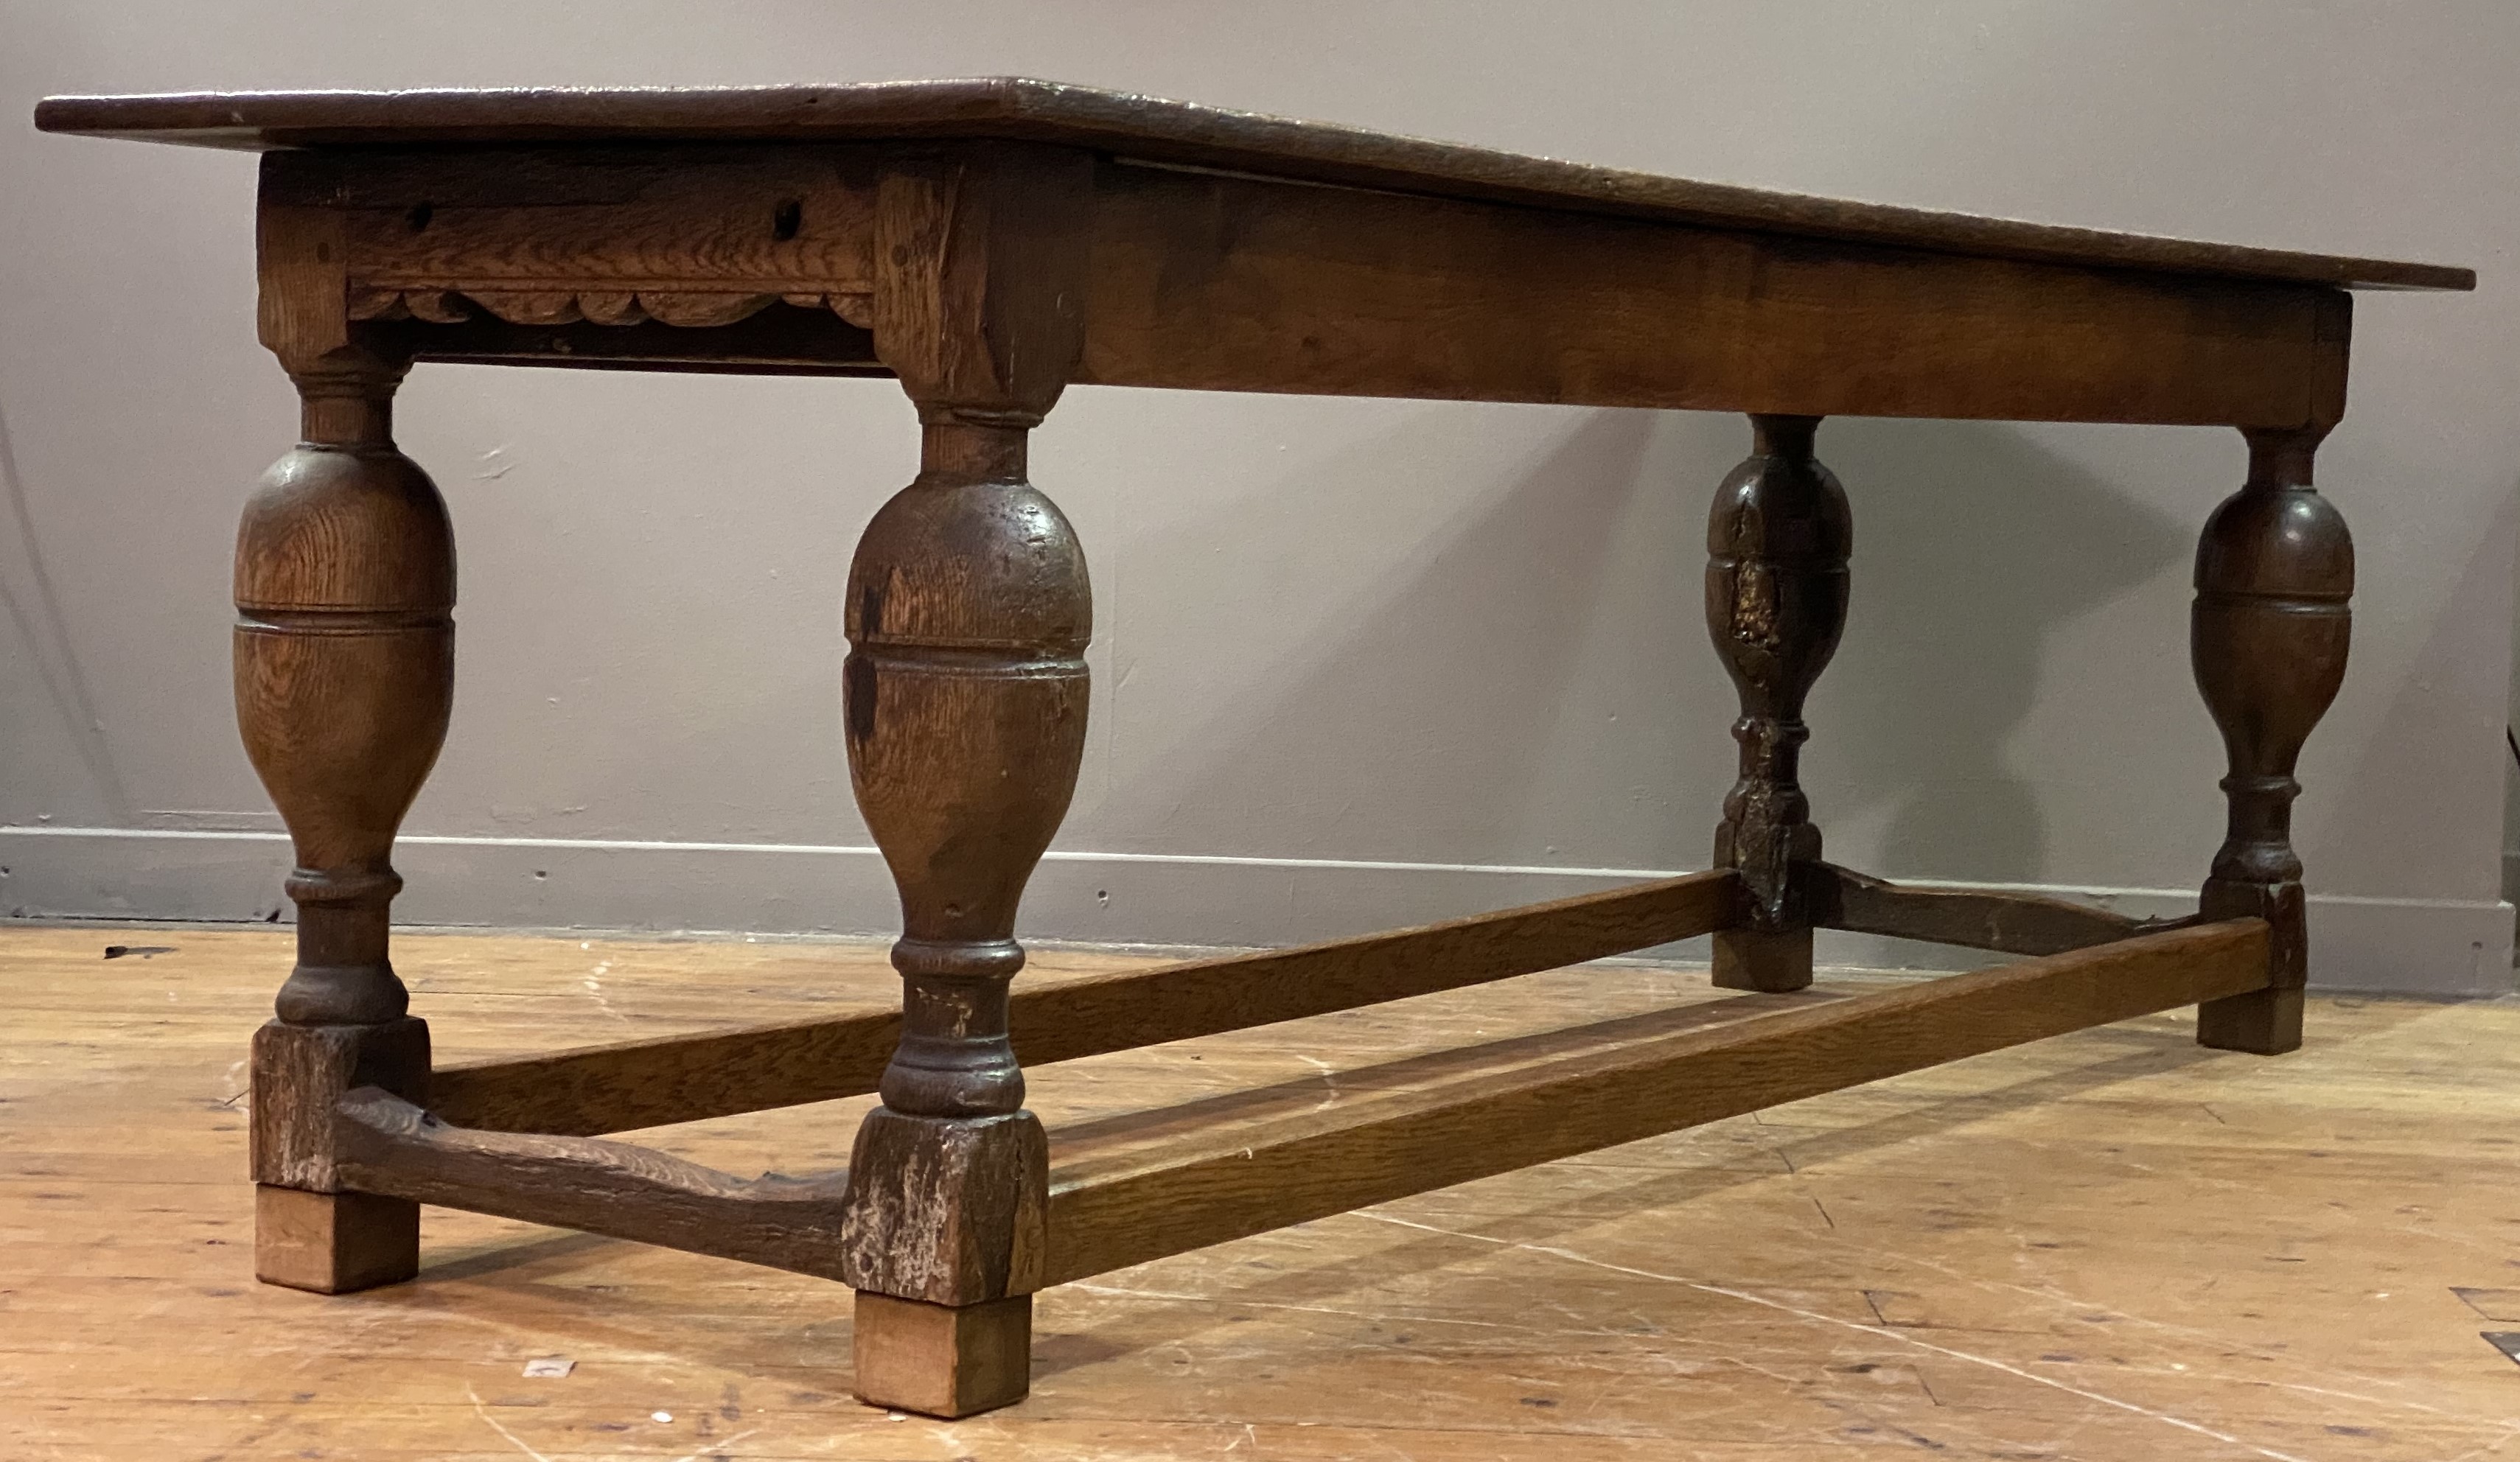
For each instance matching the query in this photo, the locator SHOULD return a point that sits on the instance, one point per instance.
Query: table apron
(1205, 281)
(1211, 282)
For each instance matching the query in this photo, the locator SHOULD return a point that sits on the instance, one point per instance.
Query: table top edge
(1158, 130)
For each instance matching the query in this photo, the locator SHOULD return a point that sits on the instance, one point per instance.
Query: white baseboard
(2435, 947)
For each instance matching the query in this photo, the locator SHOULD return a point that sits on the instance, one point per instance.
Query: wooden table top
(1161, 131)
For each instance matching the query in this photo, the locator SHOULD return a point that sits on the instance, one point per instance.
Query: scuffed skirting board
(2396, 946)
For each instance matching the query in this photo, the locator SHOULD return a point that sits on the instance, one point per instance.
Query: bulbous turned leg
(968, 615)
(345, 676)
(1777, 543)
(2269, 636)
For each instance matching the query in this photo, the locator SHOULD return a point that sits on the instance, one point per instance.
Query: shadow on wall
(1419, 716)
(1973, 543)
(36, 615)
(1470, 692)
(2443, 685)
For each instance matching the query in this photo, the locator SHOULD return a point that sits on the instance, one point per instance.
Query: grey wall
(1356, 661)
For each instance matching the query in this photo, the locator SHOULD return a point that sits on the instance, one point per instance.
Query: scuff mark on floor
(482, 1410)
(1815, 1317)
(594, 982)
(2076, 1305)
(1117, 1291)
(716, 1447)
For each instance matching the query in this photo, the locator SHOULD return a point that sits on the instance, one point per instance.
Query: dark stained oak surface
(1158, 131)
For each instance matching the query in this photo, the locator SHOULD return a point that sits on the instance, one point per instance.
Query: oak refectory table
(989, 243)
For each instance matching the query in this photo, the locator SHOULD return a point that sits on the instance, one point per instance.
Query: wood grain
(299, 1075)
(981, 284)
(345, 667)
(624, 1085)
(310, 1232)
(1233, 283)
(985, 1239)
(1147, 127)
(2267, 639)
(1201, 281)
(964, 700)
(948, 1360)
(1759, 1290)
(637, 1084)
(1777, 539)
(301, 305)
(1141, 1205)
(956, 1214)
(1972, 919)
(333, 1243)
(393, 1147)
(691, 236)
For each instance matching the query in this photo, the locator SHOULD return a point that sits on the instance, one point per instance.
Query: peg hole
(785, 223)
(419, 217)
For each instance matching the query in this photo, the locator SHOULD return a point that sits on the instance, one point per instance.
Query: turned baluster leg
(2268, 636)
(964, 697)
(344, 673)
(1777, 543)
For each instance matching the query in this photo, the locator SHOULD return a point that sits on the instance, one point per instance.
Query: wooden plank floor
(2113, 1245)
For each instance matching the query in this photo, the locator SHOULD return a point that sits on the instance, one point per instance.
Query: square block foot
(334, 1243)
(1759, 959)
(945, 1360)
(2263, 1022)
